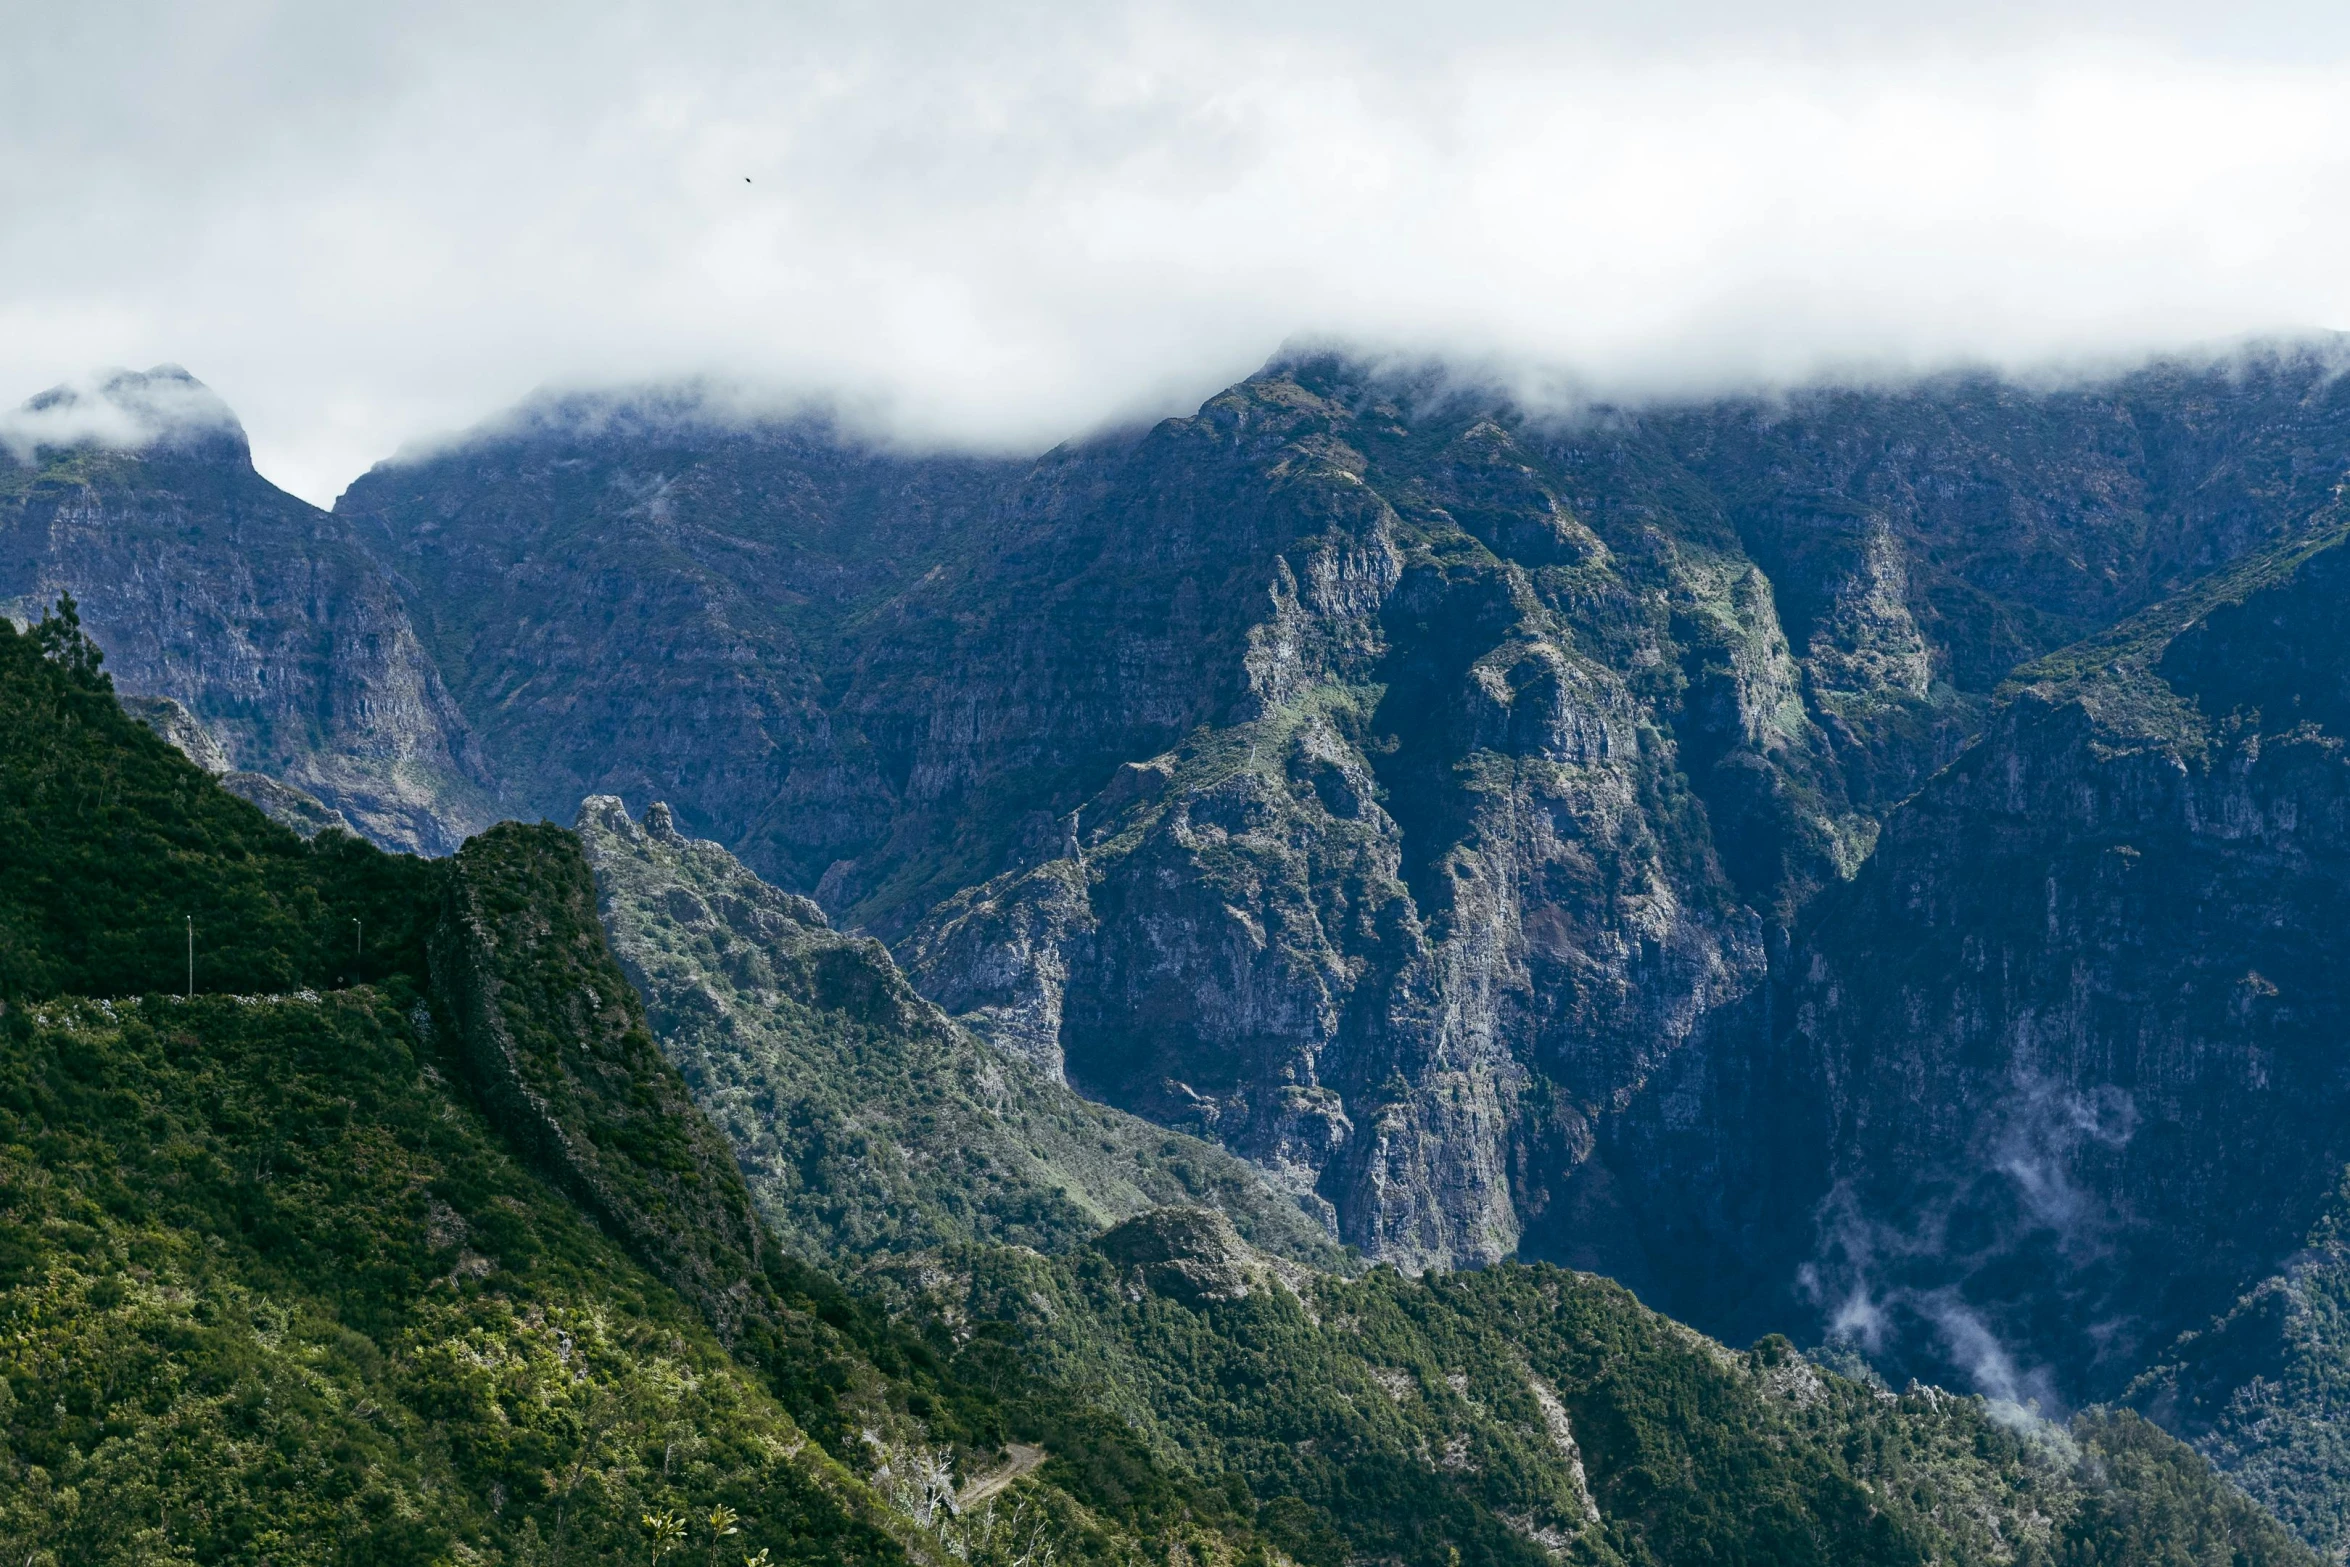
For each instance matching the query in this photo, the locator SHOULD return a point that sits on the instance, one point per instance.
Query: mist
(998, 228)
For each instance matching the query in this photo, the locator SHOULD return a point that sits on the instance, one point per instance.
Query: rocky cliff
(644, 597)
(2065, 1060)
(262, 615)
(1363, 772)
(281, 803)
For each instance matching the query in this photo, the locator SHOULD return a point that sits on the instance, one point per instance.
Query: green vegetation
(276, 1296)
(111, 843)
(272, 1291)
(2265, 1388)
(445, 1266)
(1526, 1411)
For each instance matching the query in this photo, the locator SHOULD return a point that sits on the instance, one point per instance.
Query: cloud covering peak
(1002, 224)
(125, 410)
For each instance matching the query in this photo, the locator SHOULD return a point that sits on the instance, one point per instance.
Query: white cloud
(126, 410)
(1003, 224)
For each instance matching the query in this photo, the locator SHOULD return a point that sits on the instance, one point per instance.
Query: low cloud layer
(120, 410)
(1002, 225)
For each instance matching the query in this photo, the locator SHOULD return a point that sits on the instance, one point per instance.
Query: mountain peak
(160, 411)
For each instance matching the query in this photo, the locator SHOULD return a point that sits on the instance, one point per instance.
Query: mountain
(1364, 772)
(1690, 843)
(261, 615)
(645, 598)
(2071, 1043)
(418, 1250)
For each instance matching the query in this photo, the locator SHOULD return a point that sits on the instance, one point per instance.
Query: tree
(666, 1529)
(62, 640)
(723, 1520)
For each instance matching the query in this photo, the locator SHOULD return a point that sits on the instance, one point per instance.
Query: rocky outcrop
(1192, 1255)
(865, 1120)
(304, 814)
(282, 803)
(557, 1048)
(259, 614)
(181, 729)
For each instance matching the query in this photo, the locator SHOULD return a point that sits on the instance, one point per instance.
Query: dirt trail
(1023, 1460)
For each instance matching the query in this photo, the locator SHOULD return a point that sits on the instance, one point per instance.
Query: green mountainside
(443, 1266)
(1523, 1412)
(275, 1290)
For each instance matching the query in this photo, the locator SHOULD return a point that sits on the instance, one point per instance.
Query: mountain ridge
(1454, 811)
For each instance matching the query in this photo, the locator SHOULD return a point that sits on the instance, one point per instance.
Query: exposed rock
(1188, 1254)
(997, 956)
(263, 617)
(182, 728)
(281, 803)
(285, 805)
(866, 1121)
(645, 598)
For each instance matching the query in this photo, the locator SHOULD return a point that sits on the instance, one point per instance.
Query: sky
(1000, 226)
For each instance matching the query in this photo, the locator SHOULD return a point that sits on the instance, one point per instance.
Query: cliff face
(260, 614)
(2061, 1075)
(1360, 772)
(281, 803)
(646, 598)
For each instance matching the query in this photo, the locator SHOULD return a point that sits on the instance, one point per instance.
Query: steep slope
(2061, 1073)
(282, 803)
(273, 1290)
(1527, 1414)
(262, 615)
(865, 1120)
(558, 560)
(273, 1294)
(124, 864)
(1362, 773)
